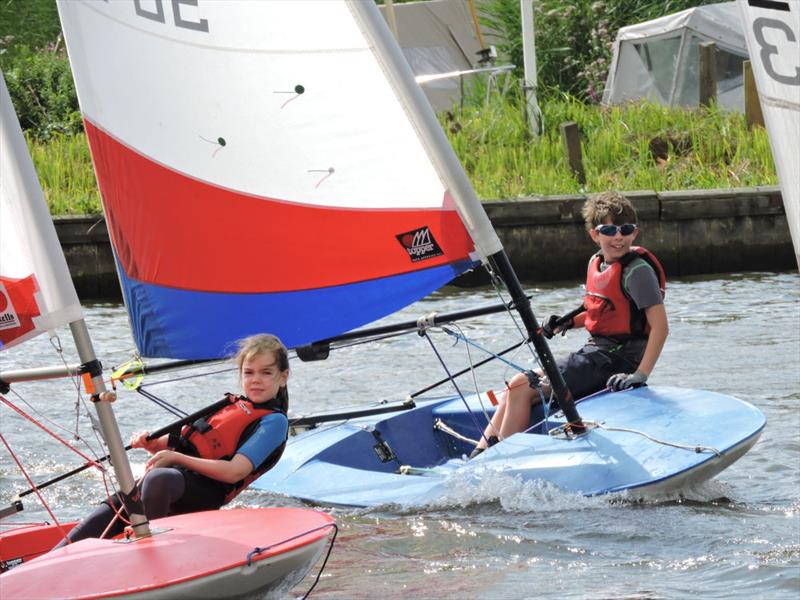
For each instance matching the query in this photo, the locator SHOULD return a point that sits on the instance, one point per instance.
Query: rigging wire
(171, 408)
(20, 412)
(424, 333)
(55, 341)
(467, 343)
(495, 279)
(33, 486)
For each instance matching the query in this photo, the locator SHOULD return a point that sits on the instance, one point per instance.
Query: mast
(456, 181)
(108, 426)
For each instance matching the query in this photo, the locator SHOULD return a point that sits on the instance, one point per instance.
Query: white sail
(261, 160)
(36, 291)
(772, 29)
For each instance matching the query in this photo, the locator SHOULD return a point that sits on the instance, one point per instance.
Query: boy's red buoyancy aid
(221, 434)
(609, 310)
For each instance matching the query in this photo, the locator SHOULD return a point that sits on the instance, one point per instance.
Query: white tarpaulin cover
(658, 59)
(437, 36)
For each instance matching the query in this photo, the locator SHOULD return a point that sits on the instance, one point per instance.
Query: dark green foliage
(41, 88)
(36, 68)
(29, 23)
(573, 39)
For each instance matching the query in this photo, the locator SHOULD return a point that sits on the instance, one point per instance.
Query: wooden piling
(570, 136)
(752, 104)
(707, 73)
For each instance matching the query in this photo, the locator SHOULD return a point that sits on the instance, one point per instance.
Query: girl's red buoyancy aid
(221, 434)
(609, 310)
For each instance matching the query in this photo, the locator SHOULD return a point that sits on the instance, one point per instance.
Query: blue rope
(537, 388)
(486, 350)
(455, 385)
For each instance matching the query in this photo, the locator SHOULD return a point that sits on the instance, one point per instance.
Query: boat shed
(658, 59)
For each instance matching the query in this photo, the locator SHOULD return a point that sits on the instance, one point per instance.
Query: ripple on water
(734, 537)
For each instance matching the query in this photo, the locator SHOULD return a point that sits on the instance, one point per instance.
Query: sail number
(155, 12)
(760, 26)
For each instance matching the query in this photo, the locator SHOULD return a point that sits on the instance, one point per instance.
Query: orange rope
(507, 389)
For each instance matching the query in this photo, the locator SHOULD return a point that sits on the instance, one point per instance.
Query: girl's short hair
(608, 204)
(263, 343)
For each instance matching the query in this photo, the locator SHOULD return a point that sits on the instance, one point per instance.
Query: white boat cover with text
(36, 291)
(258, 171)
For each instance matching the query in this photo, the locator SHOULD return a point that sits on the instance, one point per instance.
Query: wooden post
(707, 73)
(752, 105)
(392, 19)
(571, 138)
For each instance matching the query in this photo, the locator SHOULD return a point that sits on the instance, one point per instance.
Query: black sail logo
(420, 244)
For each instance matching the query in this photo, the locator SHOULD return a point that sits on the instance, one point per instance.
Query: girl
(216, 457)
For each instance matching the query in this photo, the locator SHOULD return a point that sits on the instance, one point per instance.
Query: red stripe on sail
(18, 307)
(172, 230)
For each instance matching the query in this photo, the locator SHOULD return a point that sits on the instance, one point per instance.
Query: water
(737, 536)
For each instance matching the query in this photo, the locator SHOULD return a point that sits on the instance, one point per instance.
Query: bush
(573, 39)
(27, 23)
(36, 69)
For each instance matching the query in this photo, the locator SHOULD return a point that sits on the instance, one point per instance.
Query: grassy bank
(635, 147)
(65, 171)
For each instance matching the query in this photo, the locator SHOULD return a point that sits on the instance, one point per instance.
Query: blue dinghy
(650, 440)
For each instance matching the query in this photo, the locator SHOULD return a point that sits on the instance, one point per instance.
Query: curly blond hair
(608, 204)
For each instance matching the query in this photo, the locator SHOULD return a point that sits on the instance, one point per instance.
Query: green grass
(634, 147)
(66, 175)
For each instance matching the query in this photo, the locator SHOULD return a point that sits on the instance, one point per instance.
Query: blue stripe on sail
(186, 324)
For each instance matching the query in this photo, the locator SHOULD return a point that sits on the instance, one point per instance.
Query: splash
(485, 486)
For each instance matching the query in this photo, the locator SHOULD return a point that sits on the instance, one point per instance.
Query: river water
(737, 536)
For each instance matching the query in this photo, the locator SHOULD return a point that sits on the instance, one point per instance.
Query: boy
(623, 312)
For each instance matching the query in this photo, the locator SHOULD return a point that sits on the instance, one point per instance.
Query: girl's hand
(163, 458)
(139, 440)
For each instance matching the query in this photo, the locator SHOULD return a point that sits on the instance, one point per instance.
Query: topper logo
(420, 244)
(8, 316)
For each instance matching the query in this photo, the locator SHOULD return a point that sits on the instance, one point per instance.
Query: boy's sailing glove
(554, 322)
(623, 381)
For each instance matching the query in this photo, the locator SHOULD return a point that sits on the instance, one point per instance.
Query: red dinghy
(214, 554)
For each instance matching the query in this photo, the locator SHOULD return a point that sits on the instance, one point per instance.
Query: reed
(65, 172)
(632, 147)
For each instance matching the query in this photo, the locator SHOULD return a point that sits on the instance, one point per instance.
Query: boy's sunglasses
(610, 230)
